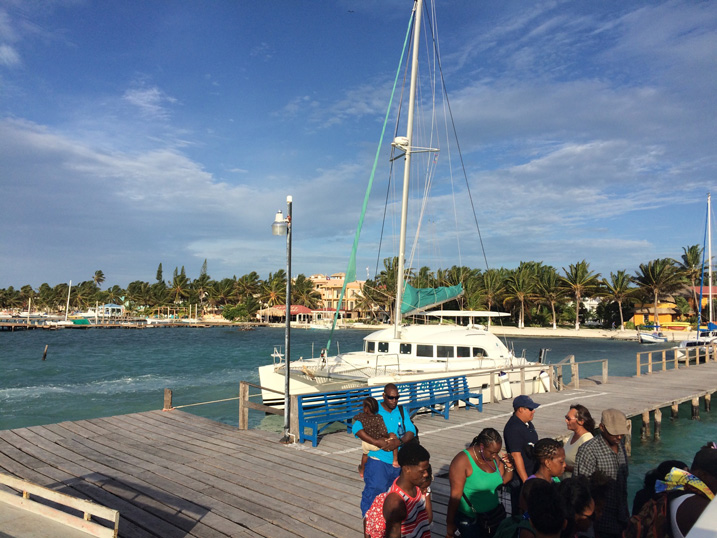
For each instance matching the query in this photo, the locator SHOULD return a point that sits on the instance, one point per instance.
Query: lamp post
(282, 226)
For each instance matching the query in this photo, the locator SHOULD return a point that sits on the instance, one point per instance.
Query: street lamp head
(279, 226)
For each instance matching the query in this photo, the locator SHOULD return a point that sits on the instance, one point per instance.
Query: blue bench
(318, 411)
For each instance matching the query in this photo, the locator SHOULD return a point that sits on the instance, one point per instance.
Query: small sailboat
(405, 352)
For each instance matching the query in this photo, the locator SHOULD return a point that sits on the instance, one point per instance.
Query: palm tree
(693, 268)
(618, 290)
(520, 289)
(273, 290)
(99, 278)
(581, 282)
(248, 285)
(659, 278)
(492, 286)
(303, 293)
(180, 286)
(550, 290)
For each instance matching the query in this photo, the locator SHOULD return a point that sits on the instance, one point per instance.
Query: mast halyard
(418, 9)
(709, 256)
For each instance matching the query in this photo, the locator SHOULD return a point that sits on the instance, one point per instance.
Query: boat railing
(555, 375)
(663, 359)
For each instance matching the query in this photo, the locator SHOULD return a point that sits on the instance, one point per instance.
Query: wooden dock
(173, 474)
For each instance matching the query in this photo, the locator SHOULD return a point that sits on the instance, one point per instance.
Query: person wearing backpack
(379, 472)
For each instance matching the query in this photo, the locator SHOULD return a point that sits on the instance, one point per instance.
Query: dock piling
(708, 402)
(658, 423)
(645, 429)
(675, 411)
(167, 400)
(44, 355)
(695, 408)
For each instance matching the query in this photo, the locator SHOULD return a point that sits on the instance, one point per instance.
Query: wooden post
(551, 376)
(645, 429)
(44, 355)
(677, 360)
(649, 362)
(604, 371)
(492, 388)
(708, 402)
(664, 360)
(675, 410)
(561, 383)
(638, 365)
(628, 438)
(658, 422)
(243, 408)
(294, 417)
(575, 375)
(167, 400)
(695, 408)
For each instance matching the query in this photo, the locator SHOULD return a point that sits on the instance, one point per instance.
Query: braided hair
(546, 449)
(486, 437)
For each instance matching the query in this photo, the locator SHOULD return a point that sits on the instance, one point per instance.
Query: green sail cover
(418, 299)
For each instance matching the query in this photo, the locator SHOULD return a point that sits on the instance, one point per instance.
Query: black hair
(486, 437)
(706, 461)
(660, 472)
(576, 497)
(412, 454)
(547, 514)
(545, 449)
(584, 416)
(372, 404)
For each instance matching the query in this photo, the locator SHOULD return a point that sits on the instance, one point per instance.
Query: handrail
(678, 355)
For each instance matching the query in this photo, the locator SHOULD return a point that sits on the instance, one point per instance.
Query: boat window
(370, 347)
(424, 350)
(405, 349)
(444, 351)
(383, 347)
(479, 352)
(462, 351)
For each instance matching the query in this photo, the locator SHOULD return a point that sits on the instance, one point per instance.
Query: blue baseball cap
(524, 401)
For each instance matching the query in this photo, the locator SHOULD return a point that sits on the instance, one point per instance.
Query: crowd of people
(574, 489)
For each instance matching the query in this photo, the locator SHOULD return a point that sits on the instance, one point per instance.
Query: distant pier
(173, 474)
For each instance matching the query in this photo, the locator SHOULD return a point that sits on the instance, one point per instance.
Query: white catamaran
(405, 352)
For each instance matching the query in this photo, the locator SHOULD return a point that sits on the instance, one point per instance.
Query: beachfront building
(329, 287)
(667, 314)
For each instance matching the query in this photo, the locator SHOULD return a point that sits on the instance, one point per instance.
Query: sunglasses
(569, 418)
(390, 397)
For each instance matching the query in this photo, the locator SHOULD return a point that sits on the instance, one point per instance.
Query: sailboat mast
(418, 9)
(67, 307)
(709, 252)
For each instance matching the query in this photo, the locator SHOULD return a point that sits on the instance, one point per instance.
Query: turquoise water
(97, 372)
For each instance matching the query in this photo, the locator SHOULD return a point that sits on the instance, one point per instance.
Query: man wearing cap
(519, 434)
(606, 453)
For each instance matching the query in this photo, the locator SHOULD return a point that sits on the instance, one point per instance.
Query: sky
(136, 133)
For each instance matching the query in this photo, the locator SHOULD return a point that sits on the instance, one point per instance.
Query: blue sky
(135, 133)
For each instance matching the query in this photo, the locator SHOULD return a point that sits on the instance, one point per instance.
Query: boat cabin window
(405, 349)
(383, 347)
(370, 347)
(444, 351)
(462, 351)
(424, 350)
(479, 352)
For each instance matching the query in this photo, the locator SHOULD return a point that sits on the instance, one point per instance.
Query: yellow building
(329, 287)
(667, 313)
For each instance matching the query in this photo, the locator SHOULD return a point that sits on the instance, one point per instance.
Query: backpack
(403, 420)
(375, 524)
(653, 519)
(511, 527)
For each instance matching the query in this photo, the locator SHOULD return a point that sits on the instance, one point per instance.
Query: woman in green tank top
(475, 474)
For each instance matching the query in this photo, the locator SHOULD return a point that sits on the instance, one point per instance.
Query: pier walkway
(173, 474)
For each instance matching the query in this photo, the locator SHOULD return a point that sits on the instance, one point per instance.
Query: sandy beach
(584, 332)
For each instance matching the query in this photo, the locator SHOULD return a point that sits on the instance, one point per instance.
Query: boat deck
(173, 474)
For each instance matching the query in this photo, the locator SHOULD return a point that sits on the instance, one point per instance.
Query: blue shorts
(378, 477)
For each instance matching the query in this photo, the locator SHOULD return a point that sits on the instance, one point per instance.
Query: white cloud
(8, 56)
(150, 101)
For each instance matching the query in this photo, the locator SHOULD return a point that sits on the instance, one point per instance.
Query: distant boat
(655, 337)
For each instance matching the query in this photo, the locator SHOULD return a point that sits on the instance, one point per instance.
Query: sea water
(102, 372)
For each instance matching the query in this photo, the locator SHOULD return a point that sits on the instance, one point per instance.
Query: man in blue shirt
(379, 472)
